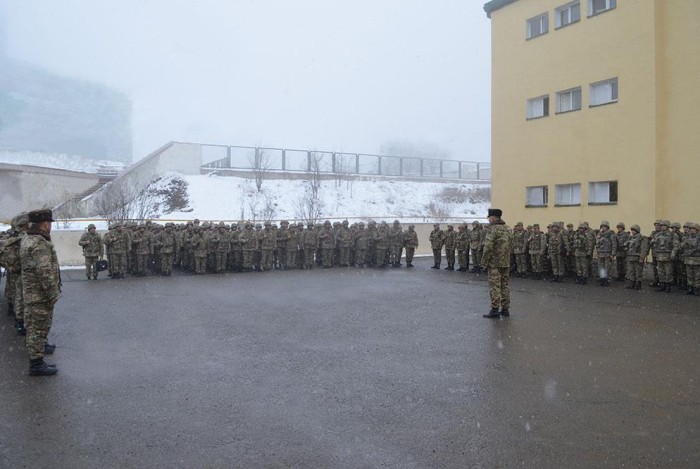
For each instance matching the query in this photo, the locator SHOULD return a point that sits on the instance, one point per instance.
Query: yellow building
(595, 110)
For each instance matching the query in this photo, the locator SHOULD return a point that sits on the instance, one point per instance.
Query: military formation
(672, 250)
(201, 248)
(33, 283)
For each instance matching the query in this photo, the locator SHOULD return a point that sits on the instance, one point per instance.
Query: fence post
(333, 162)
(441, 168)
(379, 165)
(357, 163)
(421, 168)
(460, 170)
(284, 159)
(478, 171)
(308, 161)
(400, 166)
(228, 156)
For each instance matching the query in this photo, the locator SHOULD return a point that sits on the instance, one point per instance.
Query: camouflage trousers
(381, 257)
(37, 319)
(692, 272)
(266, 259)
(309, 257)
(665, 269)
(498, 287)
(581, 266)
(118, 263)
(409, 255)
(248, 258)
(327, 257)
(221, 261)
(604, 265)
(292, 258)
(166, 263)
(9, 286)
(360, 257)
(200, 264)
(450, 257)
(621, 265)
(536, 262)
(437, 257)
(18, 298)
(476, 257)
(462, 258)
(520, 263)
(344, 256)
(282, 257)
(91, 266)
(557, 260)
(634, 269)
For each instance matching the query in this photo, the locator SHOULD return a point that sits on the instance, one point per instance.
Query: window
(538, 107)
(537, 26)
(596, 7)
(568, 194)
(603, 92)
(569, 100)
(536, 196)
(602, 192)
(567, 14)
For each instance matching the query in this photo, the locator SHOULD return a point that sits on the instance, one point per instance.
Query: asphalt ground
(355, 368)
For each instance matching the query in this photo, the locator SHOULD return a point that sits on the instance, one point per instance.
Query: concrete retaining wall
(24, 188)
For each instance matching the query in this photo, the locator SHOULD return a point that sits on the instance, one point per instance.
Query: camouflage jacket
(691, 249)
(9, 253)
(437, 238)
(410, 239)
(168, 242)
(536, 243)
(581, 244)
(92, 244)
(634, 245)
(450, 239)
(498, 245)
(41, 277)
(519, 241)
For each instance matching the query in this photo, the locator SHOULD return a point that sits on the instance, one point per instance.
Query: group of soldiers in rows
(139, 249)
(561, 251)
(33, 283)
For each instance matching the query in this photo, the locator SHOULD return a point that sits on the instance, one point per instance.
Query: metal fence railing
(329, 162)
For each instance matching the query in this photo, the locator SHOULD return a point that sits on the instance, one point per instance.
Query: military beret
(38, 216)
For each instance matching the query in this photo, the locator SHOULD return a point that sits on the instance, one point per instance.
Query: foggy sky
(344, 75)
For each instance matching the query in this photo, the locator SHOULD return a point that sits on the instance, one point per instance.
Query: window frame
(545, 107)
(609, 5)
(543, 22)
(570, 92)
(545, 196)
(614, 91)
(571, 186)
(613, 192)
(566, 8)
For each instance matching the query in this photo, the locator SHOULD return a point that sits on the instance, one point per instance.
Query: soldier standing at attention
(581, 246)
(476, 241)
(635, 263)
(536, 246)
(462, 247)
(519, 249)
(410, 242)
(10, 259)
(691, 251)
(41, 286)
(606, 248)
(450, 242)
(93, 250)
(498, 245)
(436, 239)
(621, 264)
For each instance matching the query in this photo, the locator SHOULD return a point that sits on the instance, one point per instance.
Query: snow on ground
(231, 198)
(55, 160)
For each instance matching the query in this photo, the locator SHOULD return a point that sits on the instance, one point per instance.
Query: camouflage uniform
(310, 242)
(93, 250)
(169, 244)
(11, 260)
(361, 241)
(476, 245)
(292, 248)
(120, 244)
(410, 242)
(268, 244)
(436, 238)
(498, 245)
(344, 242)
(520, 249)
(665, 248)
(537, 246)
(282, 240)
(581, 246)
(450, 243)
(381, 244)
(327, 243)
(621, 259)
(635, 262)
(691, 257)
(41, 286)
(248, 244)
(558, 248)
(143, 247)
(606, 250)
(395, 244)
(223, 247)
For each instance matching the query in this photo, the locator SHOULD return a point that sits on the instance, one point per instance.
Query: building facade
(594, 110)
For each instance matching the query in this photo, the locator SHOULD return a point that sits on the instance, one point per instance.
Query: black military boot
(631, 286)
(662, 287)
(10, 309)
(638, 285)
(492, 314)
(505, 312)
(49, 349)
(19, 327)
(38, 367)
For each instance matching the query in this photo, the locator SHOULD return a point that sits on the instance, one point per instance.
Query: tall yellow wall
(611, 142)
(678, 108)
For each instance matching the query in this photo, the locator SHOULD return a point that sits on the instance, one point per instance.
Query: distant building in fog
(45, 112)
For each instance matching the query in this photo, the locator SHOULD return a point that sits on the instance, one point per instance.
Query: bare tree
(121, 201)
(259, 161)
(310, 205)
(269, 210)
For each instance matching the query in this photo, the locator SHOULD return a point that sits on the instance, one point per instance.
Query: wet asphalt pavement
(351, 368)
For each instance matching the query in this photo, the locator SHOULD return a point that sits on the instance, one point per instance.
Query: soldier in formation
(93, 251)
